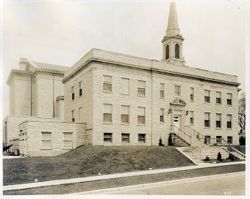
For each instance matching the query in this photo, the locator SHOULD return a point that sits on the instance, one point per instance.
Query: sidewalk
(124, 189)
(111, 176)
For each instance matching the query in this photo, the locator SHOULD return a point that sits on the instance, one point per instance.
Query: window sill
(140, 124)
(217, 128)
(110, 92)
(162, 123)
(107, 123)
(229, 105)
(125, 94)
(206, 127)
(125, 124)
(144, 96)
(44, 149)
(229, 129)
(217, 104)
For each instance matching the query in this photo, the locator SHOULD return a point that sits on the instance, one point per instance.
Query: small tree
(242, 112)
(170, 141)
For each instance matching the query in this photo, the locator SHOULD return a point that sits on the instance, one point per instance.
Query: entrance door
(176, 123)
(177, 120)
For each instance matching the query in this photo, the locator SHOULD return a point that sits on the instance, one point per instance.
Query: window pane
(125, 109)
(107, 79)
(141, 111)
(141, 84)
(142, 138)
(125, 137)
(124, 86)
(107, 137)
(107, 108)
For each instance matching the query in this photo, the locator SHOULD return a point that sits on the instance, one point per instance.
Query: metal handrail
(181, 133)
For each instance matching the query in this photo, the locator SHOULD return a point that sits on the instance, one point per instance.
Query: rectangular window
(218, 97)
(125, 138)
(142, 138)
(219, 139)
(107, 83)
(218, 120)
(229, 99)
(191, 116)
(229, 121)
(73, 115)
(207, 96)
(107, 113)
(162, 115)
(80, 113)
(72, 93)
(141, 115)
(191, 94)
(107, 137)
(207, 139)
(177, 90)
(46, 140)
(230, 139)
(68, 140)
(80, 88)
(207, 120)
(124, 114)
(141, 88)
(162, 88)
(124, 86)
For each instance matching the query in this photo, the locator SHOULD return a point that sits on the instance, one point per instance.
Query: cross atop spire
(173, 26)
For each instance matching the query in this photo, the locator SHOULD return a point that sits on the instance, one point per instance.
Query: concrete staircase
(192, 153)
(178, 141)
(191, 144)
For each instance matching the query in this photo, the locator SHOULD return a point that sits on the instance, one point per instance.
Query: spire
(173, 26)
(173, 40)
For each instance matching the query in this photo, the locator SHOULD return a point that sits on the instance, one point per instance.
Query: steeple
(173, 26)
(172, 42)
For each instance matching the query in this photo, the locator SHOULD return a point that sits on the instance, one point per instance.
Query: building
(116, 99)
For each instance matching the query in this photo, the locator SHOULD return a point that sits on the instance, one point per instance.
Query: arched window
(167, 52)
(177, 51)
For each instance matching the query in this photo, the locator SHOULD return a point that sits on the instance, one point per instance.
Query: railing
(198, 140)
(182, 134)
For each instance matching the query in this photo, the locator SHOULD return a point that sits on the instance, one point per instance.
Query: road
(229, 184)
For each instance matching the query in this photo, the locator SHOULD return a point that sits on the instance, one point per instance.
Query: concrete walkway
(111, 176)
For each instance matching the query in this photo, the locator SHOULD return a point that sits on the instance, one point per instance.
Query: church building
(108, 98)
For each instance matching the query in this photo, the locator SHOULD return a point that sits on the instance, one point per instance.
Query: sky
(61, 32)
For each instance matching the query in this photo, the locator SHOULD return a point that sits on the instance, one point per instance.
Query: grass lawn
(89, 161)
(126, 181)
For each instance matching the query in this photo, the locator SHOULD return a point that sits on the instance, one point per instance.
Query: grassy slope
(89, 161)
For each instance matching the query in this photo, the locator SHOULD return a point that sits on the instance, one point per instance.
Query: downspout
(31, 102)
(53, 101)
(152, 112)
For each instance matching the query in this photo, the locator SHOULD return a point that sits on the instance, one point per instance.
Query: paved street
(230, 184)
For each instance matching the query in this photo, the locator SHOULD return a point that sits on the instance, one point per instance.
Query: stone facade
(154, 73)
(31, 138)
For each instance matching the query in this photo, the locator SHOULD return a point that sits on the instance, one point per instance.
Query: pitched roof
(46, 66)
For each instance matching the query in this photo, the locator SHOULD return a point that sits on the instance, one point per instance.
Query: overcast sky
(61, 32)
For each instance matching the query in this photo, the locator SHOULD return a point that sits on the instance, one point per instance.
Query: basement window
(107, 137)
